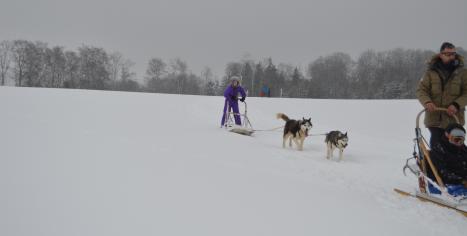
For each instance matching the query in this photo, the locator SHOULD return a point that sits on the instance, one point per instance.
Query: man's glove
(242, 99)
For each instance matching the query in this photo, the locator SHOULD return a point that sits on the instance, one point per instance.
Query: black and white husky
(296, 130)
(336, 139)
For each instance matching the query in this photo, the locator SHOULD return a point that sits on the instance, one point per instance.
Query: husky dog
(296, 130)
(336, 139)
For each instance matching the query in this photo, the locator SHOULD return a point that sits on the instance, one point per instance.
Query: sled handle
(246, 107)
(436, 109)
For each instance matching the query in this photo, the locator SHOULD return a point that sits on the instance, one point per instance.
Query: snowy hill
(76, 162)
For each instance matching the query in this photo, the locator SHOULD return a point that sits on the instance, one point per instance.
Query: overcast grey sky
(214, 32)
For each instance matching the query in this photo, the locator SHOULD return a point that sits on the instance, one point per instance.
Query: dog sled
(431, 190)
(245, 128)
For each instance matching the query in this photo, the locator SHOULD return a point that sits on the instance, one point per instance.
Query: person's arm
(228, 92)
(461, 101)
(242, 92)
(423, 91)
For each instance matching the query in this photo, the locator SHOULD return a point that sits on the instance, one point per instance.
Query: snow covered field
(76, 162)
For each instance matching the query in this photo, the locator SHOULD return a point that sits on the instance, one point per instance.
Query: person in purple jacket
(231, 99)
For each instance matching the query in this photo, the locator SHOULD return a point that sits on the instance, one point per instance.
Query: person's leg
(236, 111)
(436, 134)
(226, 104)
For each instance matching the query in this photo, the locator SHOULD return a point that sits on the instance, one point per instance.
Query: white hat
(235, 78)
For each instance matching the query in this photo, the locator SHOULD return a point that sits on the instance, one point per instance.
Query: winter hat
(235, 78)
(455, 130)
(446, 45)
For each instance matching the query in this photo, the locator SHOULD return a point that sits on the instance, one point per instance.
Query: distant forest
(391, 74)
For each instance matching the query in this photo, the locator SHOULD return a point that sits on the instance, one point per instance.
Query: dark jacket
(443, 89)
(450, 161)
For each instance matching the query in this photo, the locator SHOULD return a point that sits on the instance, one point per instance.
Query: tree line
(35, 64)
(391, 74)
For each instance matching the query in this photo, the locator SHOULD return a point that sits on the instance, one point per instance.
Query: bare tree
(55, 66)
(365, 74)
(233, 69)
(6, 49)
(93, 68)
(28, 61)
(125, 70)
(114, 67)
(206, 74)
(179, 72)
(330, 75)
(120, 73)
(156, 69)
(178, 66)
(19, 59)
(71, 77)
(127, 80)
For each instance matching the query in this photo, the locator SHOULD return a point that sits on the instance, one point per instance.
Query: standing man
(231, 99)
(444, 85)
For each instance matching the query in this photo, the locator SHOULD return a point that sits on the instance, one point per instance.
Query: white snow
(76, 162)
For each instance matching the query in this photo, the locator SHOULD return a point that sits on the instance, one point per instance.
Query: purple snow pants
(232, 105)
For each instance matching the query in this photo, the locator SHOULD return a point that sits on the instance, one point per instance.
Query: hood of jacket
(435, 59)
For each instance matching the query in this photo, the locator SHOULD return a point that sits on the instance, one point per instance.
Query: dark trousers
(436, 134)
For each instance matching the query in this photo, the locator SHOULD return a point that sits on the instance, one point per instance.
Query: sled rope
(273, 129)
(317, 134)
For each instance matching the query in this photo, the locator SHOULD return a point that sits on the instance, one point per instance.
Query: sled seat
(455, 190)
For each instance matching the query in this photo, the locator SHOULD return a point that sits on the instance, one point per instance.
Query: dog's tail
(282, 116)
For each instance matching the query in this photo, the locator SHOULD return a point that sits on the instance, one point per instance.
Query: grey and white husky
(296, 130)
(336, 139)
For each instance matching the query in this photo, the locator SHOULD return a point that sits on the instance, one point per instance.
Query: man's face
(234, 83)
(448, 55)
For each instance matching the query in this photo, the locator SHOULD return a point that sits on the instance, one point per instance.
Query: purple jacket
(231, 93)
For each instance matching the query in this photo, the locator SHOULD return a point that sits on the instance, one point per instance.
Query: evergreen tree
(258, 78)
(247, 79)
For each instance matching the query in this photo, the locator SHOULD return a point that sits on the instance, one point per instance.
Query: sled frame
(245, 128)
(423, 157)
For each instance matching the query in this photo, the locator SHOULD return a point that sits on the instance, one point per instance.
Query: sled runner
(432, 190)
(427, 198)
(245, 128)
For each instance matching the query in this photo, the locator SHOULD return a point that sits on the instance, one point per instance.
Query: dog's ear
(345, 134)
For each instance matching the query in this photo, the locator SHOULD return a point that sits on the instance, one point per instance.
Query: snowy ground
(76, 162)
